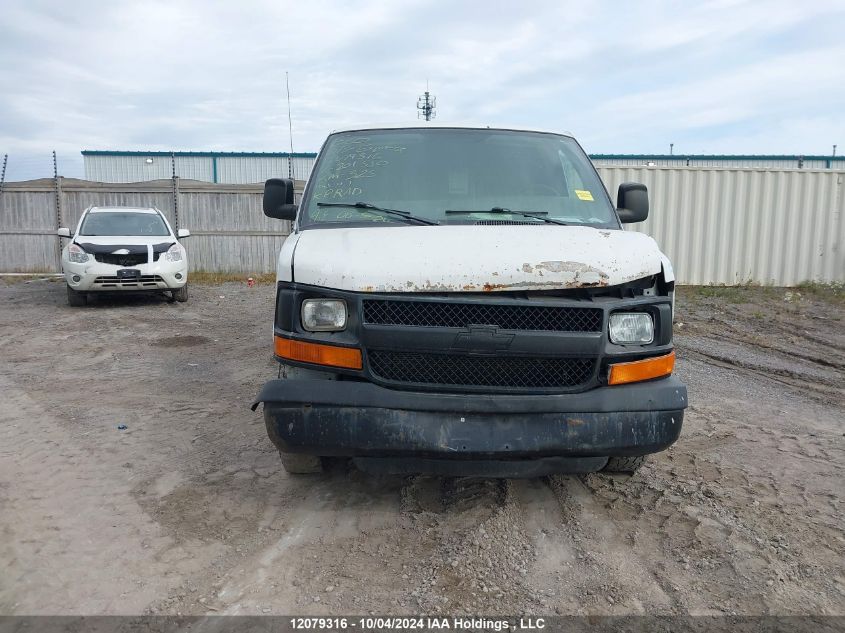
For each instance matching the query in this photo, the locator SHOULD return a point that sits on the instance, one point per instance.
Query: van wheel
(75, 298)
(297, 464)
(180, 294)
(628, 465)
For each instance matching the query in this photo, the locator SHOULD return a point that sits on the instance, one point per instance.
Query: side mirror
(183, 233)
(63, 232)
(632, 202)
(278, 199)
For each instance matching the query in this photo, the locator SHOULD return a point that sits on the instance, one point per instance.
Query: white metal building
(728, 161)
(221, 167)
(256, 167)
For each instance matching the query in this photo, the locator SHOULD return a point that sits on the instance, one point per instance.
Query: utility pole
(833, 155)
(671, 148)
(426, 105)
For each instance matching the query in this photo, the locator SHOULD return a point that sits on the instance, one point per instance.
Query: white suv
(124, 248)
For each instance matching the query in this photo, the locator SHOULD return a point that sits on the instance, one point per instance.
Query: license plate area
(129, 274)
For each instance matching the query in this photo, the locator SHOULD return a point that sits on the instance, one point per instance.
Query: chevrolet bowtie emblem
(479, 338)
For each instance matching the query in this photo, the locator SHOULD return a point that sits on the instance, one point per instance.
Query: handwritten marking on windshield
(356, 160)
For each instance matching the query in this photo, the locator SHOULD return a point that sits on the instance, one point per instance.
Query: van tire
(75, 298)
(181, 294)
(297, 464)
(627, 465)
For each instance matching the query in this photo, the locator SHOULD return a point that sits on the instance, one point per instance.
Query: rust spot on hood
(583, 275)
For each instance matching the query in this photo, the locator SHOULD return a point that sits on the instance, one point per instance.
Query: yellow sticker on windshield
(584, 195)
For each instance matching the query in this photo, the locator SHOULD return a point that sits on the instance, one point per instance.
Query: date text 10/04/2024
(415, 623)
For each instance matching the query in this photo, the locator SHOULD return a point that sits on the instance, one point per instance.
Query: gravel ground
(187, 510)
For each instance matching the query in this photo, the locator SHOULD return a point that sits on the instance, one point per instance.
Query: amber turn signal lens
(331, 355)
(638, 370)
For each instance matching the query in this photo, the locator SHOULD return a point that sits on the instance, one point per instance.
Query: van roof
(423, 125)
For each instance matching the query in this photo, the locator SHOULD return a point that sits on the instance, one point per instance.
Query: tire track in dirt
(824, 388)
(607, 575)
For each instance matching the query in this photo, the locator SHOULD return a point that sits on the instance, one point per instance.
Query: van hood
(471, 258)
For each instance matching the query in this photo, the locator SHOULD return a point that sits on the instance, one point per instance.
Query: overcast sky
(726, 76)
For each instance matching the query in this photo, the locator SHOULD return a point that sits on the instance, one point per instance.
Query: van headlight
(631, 327)
(324, 315)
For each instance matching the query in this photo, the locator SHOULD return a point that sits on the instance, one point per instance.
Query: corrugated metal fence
(731, 226)
(718, 226)
(229, 232)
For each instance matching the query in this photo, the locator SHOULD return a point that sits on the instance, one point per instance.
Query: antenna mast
(290, 129)
(426, 105)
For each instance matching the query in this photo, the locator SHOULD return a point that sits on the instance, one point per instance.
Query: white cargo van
(464, 301)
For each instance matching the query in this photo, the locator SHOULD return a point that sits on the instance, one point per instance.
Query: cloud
(729, 75)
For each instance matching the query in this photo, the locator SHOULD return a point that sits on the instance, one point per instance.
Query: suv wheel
(628, 465)
(75, 298)
(181, 294)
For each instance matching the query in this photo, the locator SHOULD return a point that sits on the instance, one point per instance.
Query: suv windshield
(482, 173)
(123, 223)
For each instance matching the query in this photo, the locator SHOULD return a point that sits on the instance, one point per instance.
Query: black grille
(481, 371)
(461, 315)
(121, 260)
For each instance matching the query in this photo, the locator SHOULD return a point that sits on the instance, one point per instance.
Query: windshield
(123, 223)
(426, 172)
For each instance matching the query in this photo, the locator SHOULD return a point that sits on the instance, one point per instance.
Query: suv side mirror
(278, 199)
(181, 233)
(63, 232)
(632, 202)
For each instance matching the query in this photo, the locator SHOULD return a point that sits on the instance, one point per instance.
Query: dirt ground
(188, 511)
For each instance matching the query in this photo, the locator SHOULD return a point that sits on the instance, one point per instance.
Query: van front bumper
(359, 419)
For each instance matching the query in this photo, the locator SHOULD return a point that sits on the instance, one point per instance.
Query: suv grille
(481, 371)
(121, 260)
(461, 315)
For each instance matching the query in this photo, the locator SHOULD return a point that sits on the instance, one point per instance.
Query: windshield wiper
(371, 207)
(537, 215)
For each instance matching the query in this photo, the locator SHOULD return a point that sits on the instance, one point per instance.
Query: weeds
(750, 293)
(10, 280)
(215, 279)
(728, 294)
(832, 292)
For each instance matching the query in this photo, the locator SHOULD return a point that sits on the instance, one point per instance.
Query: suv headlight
(76, 254)
(631, 327)
(324, 315)
(174, 253)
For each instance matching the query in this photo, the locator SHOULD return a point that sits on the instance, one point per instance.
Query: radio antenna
(290, 129)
